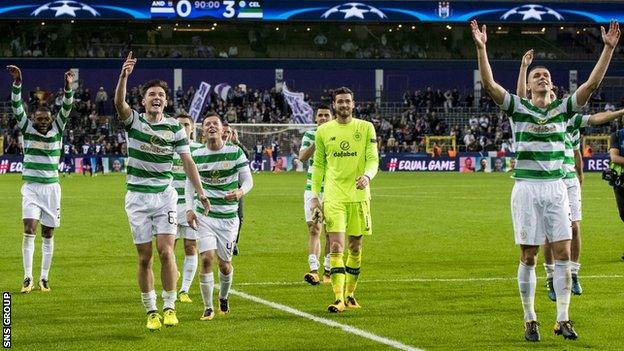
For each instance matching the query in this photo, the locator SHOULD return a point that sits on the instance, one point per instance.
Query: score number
(185, 7)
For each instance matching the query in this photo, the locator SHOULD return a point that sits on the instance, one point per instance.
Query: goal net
(285, 139)
(596, 143)
(443, 144)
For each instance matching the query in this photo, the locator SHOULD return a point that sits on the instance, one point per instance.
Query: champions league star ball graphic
(65, 7)
(354, 10)
(531, 12)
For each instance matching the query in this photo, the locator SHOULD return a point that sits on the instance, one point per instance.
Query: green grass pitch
(438, 273)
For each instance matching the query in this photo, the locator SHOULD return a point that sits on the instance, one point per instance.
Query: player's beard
(344, 113)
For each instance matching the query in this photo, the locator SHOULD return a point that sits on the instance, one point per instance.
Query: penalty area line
(328, 322)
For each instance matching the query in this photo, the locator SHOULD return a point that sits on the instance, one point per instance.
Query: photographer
(617, 162)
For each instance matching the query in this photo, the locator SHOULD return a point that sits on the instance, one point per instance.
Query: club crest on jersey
(357, 136)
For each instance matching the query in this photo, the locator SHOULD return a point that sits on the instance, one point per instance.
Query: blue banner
(469, 163)
(75, 164)
(318, 11)
(596, 163)
(400, 162)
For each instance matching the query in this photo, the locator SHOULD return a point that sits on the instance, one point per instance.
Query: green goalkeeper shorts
(351, 218)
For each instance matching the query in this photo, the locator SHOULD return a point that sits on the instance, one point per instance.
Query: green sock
(354, 261)
(337, 275)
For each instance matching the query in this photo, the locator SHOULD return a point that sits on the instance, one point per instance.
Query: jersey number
(172, 217)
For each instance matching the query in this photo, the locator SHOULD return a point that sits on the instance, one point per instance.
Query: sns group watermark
(6, 320)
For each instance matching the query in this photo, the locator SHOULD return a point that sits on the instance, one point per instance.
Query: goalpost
(288, 135)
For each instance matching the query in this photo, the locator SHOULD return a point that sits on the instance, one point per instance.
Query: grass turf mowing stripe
(347, 328)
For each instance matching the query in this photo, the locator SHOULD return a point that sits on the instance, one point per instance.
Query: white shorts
(574, 195)
(43, 203)
(307, 195)
(152, 213)
(184, 230)
(217, 234)
(540, 211)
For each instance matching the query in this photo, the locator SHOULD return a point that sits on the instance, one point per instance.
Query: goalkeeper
(617, 163)
(346, 159)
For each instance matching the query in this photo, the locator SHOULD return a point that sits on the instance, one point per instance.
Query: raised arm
(610, 40)
(605, 117)
(68, 99)
(16, 96)
(123, 109)
(493, 89)
(521, 86)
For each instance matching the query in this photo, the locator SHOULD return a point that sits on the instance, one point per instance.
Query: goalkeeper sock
(337, 275)
(354, 261)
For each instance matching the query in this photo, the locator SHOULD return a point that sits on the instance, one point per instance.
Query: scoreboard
(217, 9)
(352, 11)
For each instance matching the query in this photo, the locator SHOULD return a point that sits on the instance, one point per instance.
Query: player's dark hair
(537, 67)
(321, 107)
(212, 114)
(155, 83)
(184, 115)
(44, 109)
(343, 90)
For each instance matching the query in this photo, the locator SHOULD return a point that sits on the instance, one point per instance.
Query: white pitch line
(328, 322)
(427, 280)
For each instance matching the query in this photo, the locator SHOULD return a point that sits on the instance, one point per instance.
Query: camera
(612, 176)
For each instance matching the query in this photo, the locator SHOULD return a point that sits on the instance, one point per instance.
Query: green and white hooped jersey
(306, 142)
(179, 176)
(151, 147)
(41, 151)
(572, 143)
(539, 135)
(218, 171)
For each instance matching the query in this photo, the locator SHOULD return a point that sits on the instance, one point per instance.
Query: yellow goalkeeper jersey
(343, 153)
